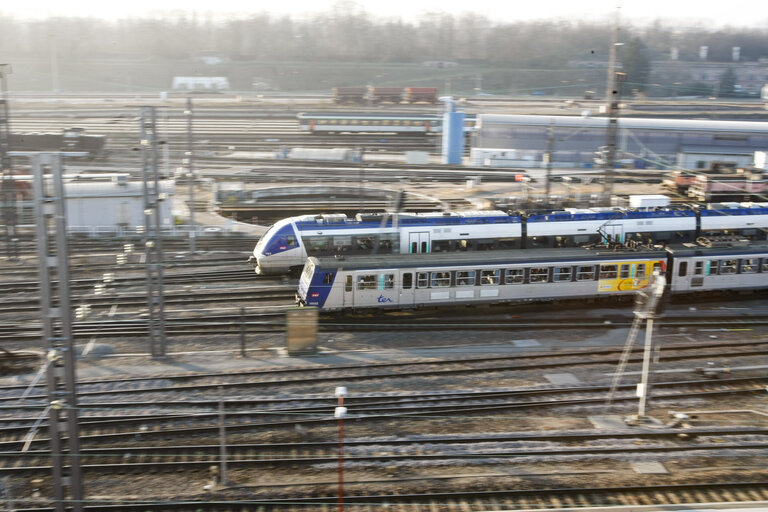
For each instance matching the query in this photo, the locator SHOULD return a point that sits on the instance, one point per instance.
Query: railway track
(159, 418)
(490, 449)
(271, 320)
(683, 495)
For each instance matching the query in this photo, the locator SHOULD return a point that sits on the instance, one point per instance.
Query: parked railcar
(680, 181)
(744, 185)
(349, 95)
(333, 123)
(421, 95)
(286, 245)
(379, 95)
(518, 276)
(72, 139)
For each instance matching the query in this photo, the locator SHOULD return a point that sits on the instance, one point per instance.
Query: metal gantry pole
(611, 138)
(153, 249)
(56, 311)
(191, 176)
(8, 186)
(548, 157)
(612, 104)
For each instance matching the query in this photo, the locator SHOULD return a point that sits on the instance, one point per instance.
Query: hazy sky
(739, 13)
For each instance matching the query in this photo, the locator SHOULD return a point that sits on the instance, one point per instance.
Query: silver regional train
(513, 276)
(287, 244)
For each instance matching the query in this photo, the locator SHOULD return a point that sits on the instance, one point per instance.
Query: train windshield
(281, 239)
(278, 238)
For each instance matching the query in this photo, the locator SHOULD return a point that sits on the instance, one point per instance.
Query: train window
(585, 273)
(624, 273)
(682, 271)
(422, 280)
(465, 278)
(656, 268)
(388, 242)
(440, 279)
(328, 278)
(514, 276)
(698, 268)
(764, 265)
(640, 272)
(748, 266)
(348, 283)
(539, 275)
(608, 271)
(317, 243)
(366, 282)
(728, 267)
(712, 268)
(562, 274)
(342, 242)
(489, 277)
(364, 243)
(386, 281)
(407, 281)
(441, 245)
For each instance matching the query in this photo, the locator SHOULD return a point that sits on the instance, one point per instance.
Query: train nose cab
(279, 250)
(315, 284)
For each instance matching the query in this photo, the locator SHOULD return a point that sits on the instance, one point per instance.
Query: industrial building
(98, 204)
(523, 140)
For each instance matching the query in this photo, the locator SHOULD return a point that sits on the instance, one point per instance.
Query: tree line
(346, 33)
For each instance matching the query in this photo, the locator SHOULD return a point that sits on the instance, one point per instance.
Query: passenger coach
(286, 245)
(495, 276)
(532, 275)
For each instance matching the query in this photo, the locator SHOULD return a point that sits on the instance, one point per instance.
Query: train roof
(367, 115)
(328, 221)
(476, 217)
(719, 248)
(481, 258)
(530, 256)
(378, 115)
(625, 122)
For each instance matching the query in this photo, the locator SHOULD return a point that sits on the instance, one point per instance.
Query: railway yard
(467, 408)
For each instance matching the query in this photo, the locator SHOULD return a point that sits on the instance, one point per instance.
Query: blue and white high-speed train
(287, 244)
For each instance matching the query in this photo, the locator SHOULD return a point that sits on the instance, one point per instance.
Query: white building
(200, 83)
(113, 205)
